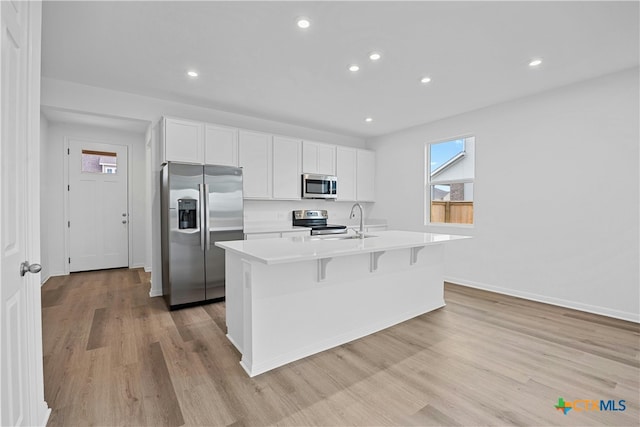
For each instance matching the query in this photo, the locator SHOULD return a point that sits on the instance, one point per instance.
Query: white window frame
(429, 182)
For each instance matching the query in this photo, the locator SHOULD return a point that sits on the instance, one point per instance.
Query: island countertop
(305, 248)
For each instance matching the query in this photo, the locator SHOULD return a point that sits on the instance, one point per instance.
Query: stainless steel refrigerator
(200, 206)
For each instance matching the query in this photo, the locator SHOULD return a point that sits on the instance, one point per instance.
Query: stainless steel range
(317, 221)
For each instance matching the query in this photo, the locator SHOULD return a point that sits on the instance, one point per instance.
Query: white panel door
(366, 175)
(98, 215)
(183, 141)
(346, 173)
(220, 145)
(21, 379)
(287, 170)
(256, 161)
(326, 159)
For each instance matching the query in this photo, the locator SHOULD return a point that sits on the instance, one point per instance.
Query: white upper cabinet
(346, 172)
(365, 175)
(220, 145)
(287, 168)
(183, 141)
(255, 157)
(318, 158)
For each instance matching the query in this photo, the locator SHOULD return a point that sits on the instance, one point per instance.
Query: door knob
(25, 268)
(124, 221)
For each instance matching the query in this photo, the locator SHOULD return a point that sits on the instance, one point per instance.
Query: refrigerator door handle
(202, 216)
(207, 225)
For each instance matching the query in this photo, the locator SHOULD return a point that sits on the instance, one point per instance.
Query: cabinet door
(220, 145)
(346, 173)
(309, 157)
(326, 159)
(365, 170)
(286, 168)
(318, 158)
(255, 157)
(183, 141)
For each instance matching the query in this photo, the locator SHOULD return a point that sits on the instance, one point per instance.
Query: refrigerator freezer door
(186, 258)
(224, 188)
(225, 197)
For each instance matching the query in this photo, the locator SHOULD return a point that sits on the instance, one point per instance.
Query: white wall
(556, 195)
(53, 191)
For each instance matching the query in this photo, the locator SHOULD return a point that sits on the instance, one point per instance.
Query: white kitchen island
(288, 298)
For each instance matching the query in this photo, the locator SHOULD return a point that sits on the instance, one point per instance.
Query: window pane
(444, 152)
(99, 161)
(452, 203)
(452, 160)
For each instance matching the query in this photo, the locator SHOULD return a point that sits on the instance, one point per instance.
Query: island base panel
(280, 313)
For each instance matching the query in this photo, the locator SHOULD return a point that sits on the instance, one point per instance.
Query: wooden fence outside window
(453, 212)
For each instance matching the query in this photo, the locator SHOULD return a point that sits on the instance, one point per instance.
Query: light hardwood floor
(114, 356)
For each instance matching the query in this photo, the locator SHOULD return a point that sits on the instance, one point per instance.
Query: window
(450, 172)
(99, 162)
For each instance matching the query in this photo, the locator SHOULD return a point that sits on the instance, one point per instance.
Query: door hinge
(69, 260)
(68, 151)
(68, 224)
(68, 188)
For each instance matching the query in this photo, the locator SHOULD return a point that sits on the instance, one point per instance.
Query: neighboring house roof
(448, 163)
(439, 194)
(107, 161)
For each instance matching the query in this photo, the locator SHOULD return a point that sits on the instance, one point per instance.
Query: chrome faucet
(360, 233)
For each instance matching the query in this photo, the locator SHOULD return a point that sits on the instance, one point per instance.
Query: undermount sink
(349, 237)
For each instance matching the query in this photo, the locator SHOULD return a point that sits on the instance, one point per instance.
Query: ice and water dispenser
(187, 213)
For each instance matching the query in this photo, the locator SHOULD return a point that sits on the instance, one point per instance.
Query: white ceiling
(253, 59)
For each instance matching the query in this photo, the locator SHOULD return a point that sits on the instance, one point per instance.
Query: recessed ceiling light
(368, 120)
(425, 79)
(374, 56)
(535, 62)
(303, 22)
(192, 73)
(353, 67)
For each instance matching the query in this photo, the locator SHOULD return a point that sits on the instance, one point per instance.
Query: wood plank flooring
(114, 356)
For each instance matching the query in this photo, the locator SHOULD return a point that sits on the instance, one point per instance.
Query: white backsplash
(279, 211)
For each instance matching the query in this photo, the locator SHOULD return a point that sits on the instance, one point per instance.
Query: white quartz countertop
(272, 228)
(305, 248)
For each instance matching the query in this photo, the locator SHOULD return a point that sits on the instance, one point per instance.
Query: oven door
(319, 186)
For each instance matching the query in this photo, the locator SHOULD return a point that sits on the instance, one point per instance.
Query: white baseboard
(155, 293)
(45, 414)
(147, 269)
(603, 311)
(50, 275)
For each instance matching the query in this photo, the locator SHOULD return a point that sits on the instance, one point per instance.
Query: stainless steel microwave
(319, 186)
